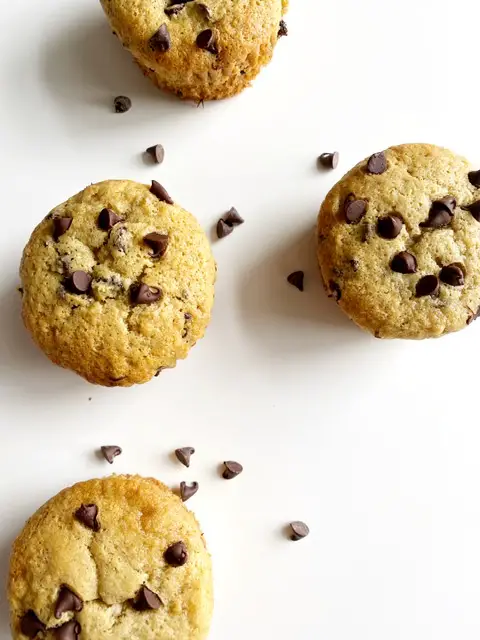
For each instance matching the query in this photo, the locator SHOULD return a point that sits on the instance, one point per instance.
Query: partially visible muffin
(199, 50)
(399, 242)
(118, 283)
(118, 558)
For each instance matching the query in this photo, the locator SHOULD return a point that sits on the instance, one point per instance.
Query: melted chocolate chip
(188, 490)
(232, 469)
(296, 279)
(206, 40)
(67, 601)
(143, 294)
(377, 163)
(161, 41)
(298, 530)
(110, 452)
(282, 29)
(122, 104)
(427, 286)
(87, 515)
(158, 242)
(68, 631)
(389, 227)
(146, 600)
(160, 192)
(474, 177)
(60, 226)
(184, 454)
(404, 262)
(354, 210)
(452, 274)
(176, 555)
(107, 219)
(79, 282)
(30, 625)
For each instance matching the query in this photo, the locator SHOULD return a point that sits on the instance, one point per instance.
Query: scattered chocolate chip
(335, 290)
(30, 625)
(122, 104)
(368, 232)
(146, 600)
(176, 555)
(329, 160)
(160, 41)
(184, 454)
(223, 229)
(107, 219)
(158, 242)
(60, 226)
(403, 262)
(296, 279)
(474, 210)
(377, 164)
(67, 601)
(188, 490)
(232, 470)
(298, 530)
(354, 210)
(87, 515)
(160, 192)
(69, 631)
(427, 286)
(389, 227)
(474, 177)
(452, 274)
(282, 29)
(206, 40)
(355, 265)
(143, 294)
(79, 282)
(157, 153)
(110, 452)
(441, 213)
(233, 218)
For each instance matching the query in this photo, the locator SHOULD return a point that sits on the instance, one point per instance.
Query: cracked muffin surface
(399, 242)
(119, 558)
(199, 50)
(118, 283)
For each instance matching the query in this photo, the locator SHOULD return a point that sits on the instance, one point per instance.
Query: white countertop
(375, 444)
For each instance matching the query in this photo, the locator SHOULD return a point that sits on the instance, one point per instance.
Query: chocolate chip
(448, 202)
(296, 279)
(67, 601)
(176, 555)
(298, 530)
(377, 164)
(403, 262)
(159, 371)
(368, 231)
(473, 316)
(175, 7)
(160, 192)
(184, 454)
(143, 294)
(355, 265)
(233, 218)
(60, 226)
(427, 286)
(68, 631)
(329, 160)
(206, 40)
(389, 227)
(223, 229)
(146, 600)
(160, 41)
(354, 210)
(157, 153)
(158, 242)
(474, 177)
(79, 282)
(282, 29)
(107, 219)
(30, 625)
(206, 11)
(232, 470)
(87, 515)
(188, 490)
(122, 104)
(187, 316)
(335, 290)
(110, 452)
(474, 210)
(452, 274)
(441, 213)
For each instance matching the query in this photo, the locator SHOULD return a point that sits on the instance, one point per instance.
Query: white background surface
(374, 444)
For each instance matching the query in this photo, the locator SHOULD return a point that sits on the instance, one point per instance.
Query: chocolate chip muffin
(199, 50)
(118, 283)
(399, 242)
(119, 558)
